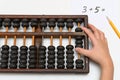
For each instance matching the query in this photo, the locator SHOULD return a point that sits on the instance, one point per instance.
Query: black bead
(0, 22)
(79, 37)
(23, 61)
(51, 56)
(4, 56)
(60, 56)
(13, 56)
(61, 25)
(13, 61)
(52, 20)
(3, 66)
(50, 66)
(7, 22)
(42, 52)
(69, 25)
(34, 23)
(32, 47)
(42, 57)
(42, 61)
(69, 47)
(5, 52)
(41, 66)
(79, 61)
(51, 24)
(51, 61)
(25, 23)
(14, 47)
(32, 56)
(22, 52)
(42, 48)
(70, 66)
(60, 61)
(79, 20)
(23, 56)
(43, 25)
(24, 48)
(32, 61)
(32, 66)
(60, 52)
(79, 45)
(78, 42)
(5, 47)
(32, 52)
(51, 47)
(51, 52)
(78, 30)
(43, 20)
(60, 48)
(13, 66)
(69, 20)
(69, 52)
(70, 61)
(79, 66)
(21, 65)
(4, 60)
(60, 20)
(16, 23)
(60, 66)
(69, 56)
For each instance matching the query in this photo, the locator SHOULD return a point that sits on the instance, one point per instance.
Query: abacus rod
(60, 37)
(15, 30)
(69, 30)
(51, 37)
(24, 37)
(78, 53)
(33, 37)
(6, 37)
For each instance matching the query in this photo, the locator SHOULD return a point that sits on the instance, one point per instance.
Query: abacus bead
(14, 47)
(25, 23)
(22, 65)
(51, 52)
(79, 37)
(51, 47)
(51, 56)
(78, 30)
(34, 20)
(4, 65)
(43, 24)
(78, 42)
(41, 66)
(42, 56)
(14, 57)
(32, 56)
(14, 52)
(0, 22)
(79, 66)
(4, 56)
(32, 61)
(34, 23)
(70, 61)
(5, 47)
(5, 52)
(79, 20)
(43, 20)
(79, 45)
(52, 20)
(70, 66)
(7, 22)
(60, 52)
(4, 61)
(79, 61)
(61, 25)
(24, 48)
(69, 52)
(42, 61)
(23, 52)
(16, 23)
(69, 47)
(13, 66)
(60, 57)
(69, 25)
(50, 66)
(60, 66)
(32, 47)
(60, 61)
(32, 66)
(69, 20)
(60, 48)
(23, 61)
(42, 48)
(51, 24)
(32, 52)
(23, 56)
(60, 20)
(13, 61)
(42, 52)
(70, 56)
(51, 61)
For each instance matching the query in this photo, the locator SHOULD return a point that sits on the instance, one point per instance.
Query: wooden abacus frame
(38, 41)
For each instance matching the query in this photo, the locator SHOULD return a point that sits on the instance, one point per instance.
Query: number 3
(84, 9)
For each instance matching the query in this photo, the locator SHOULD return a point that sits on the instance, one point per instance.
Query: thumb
(83, 51)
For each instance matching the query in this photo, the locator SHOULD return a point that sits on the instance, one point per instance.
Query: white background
(73, 7)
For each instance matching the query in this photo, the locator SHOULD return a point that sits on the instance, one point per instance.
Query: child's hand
(99, 52)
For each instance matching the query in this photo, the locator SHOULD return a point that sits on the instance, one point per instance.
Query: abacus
(38, 57)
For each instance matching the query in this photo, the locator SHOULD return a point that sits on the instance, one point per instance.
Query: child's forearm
(107, 72)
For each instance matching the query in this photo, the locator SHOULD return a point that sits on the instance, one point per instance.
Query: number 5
(97, 9)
